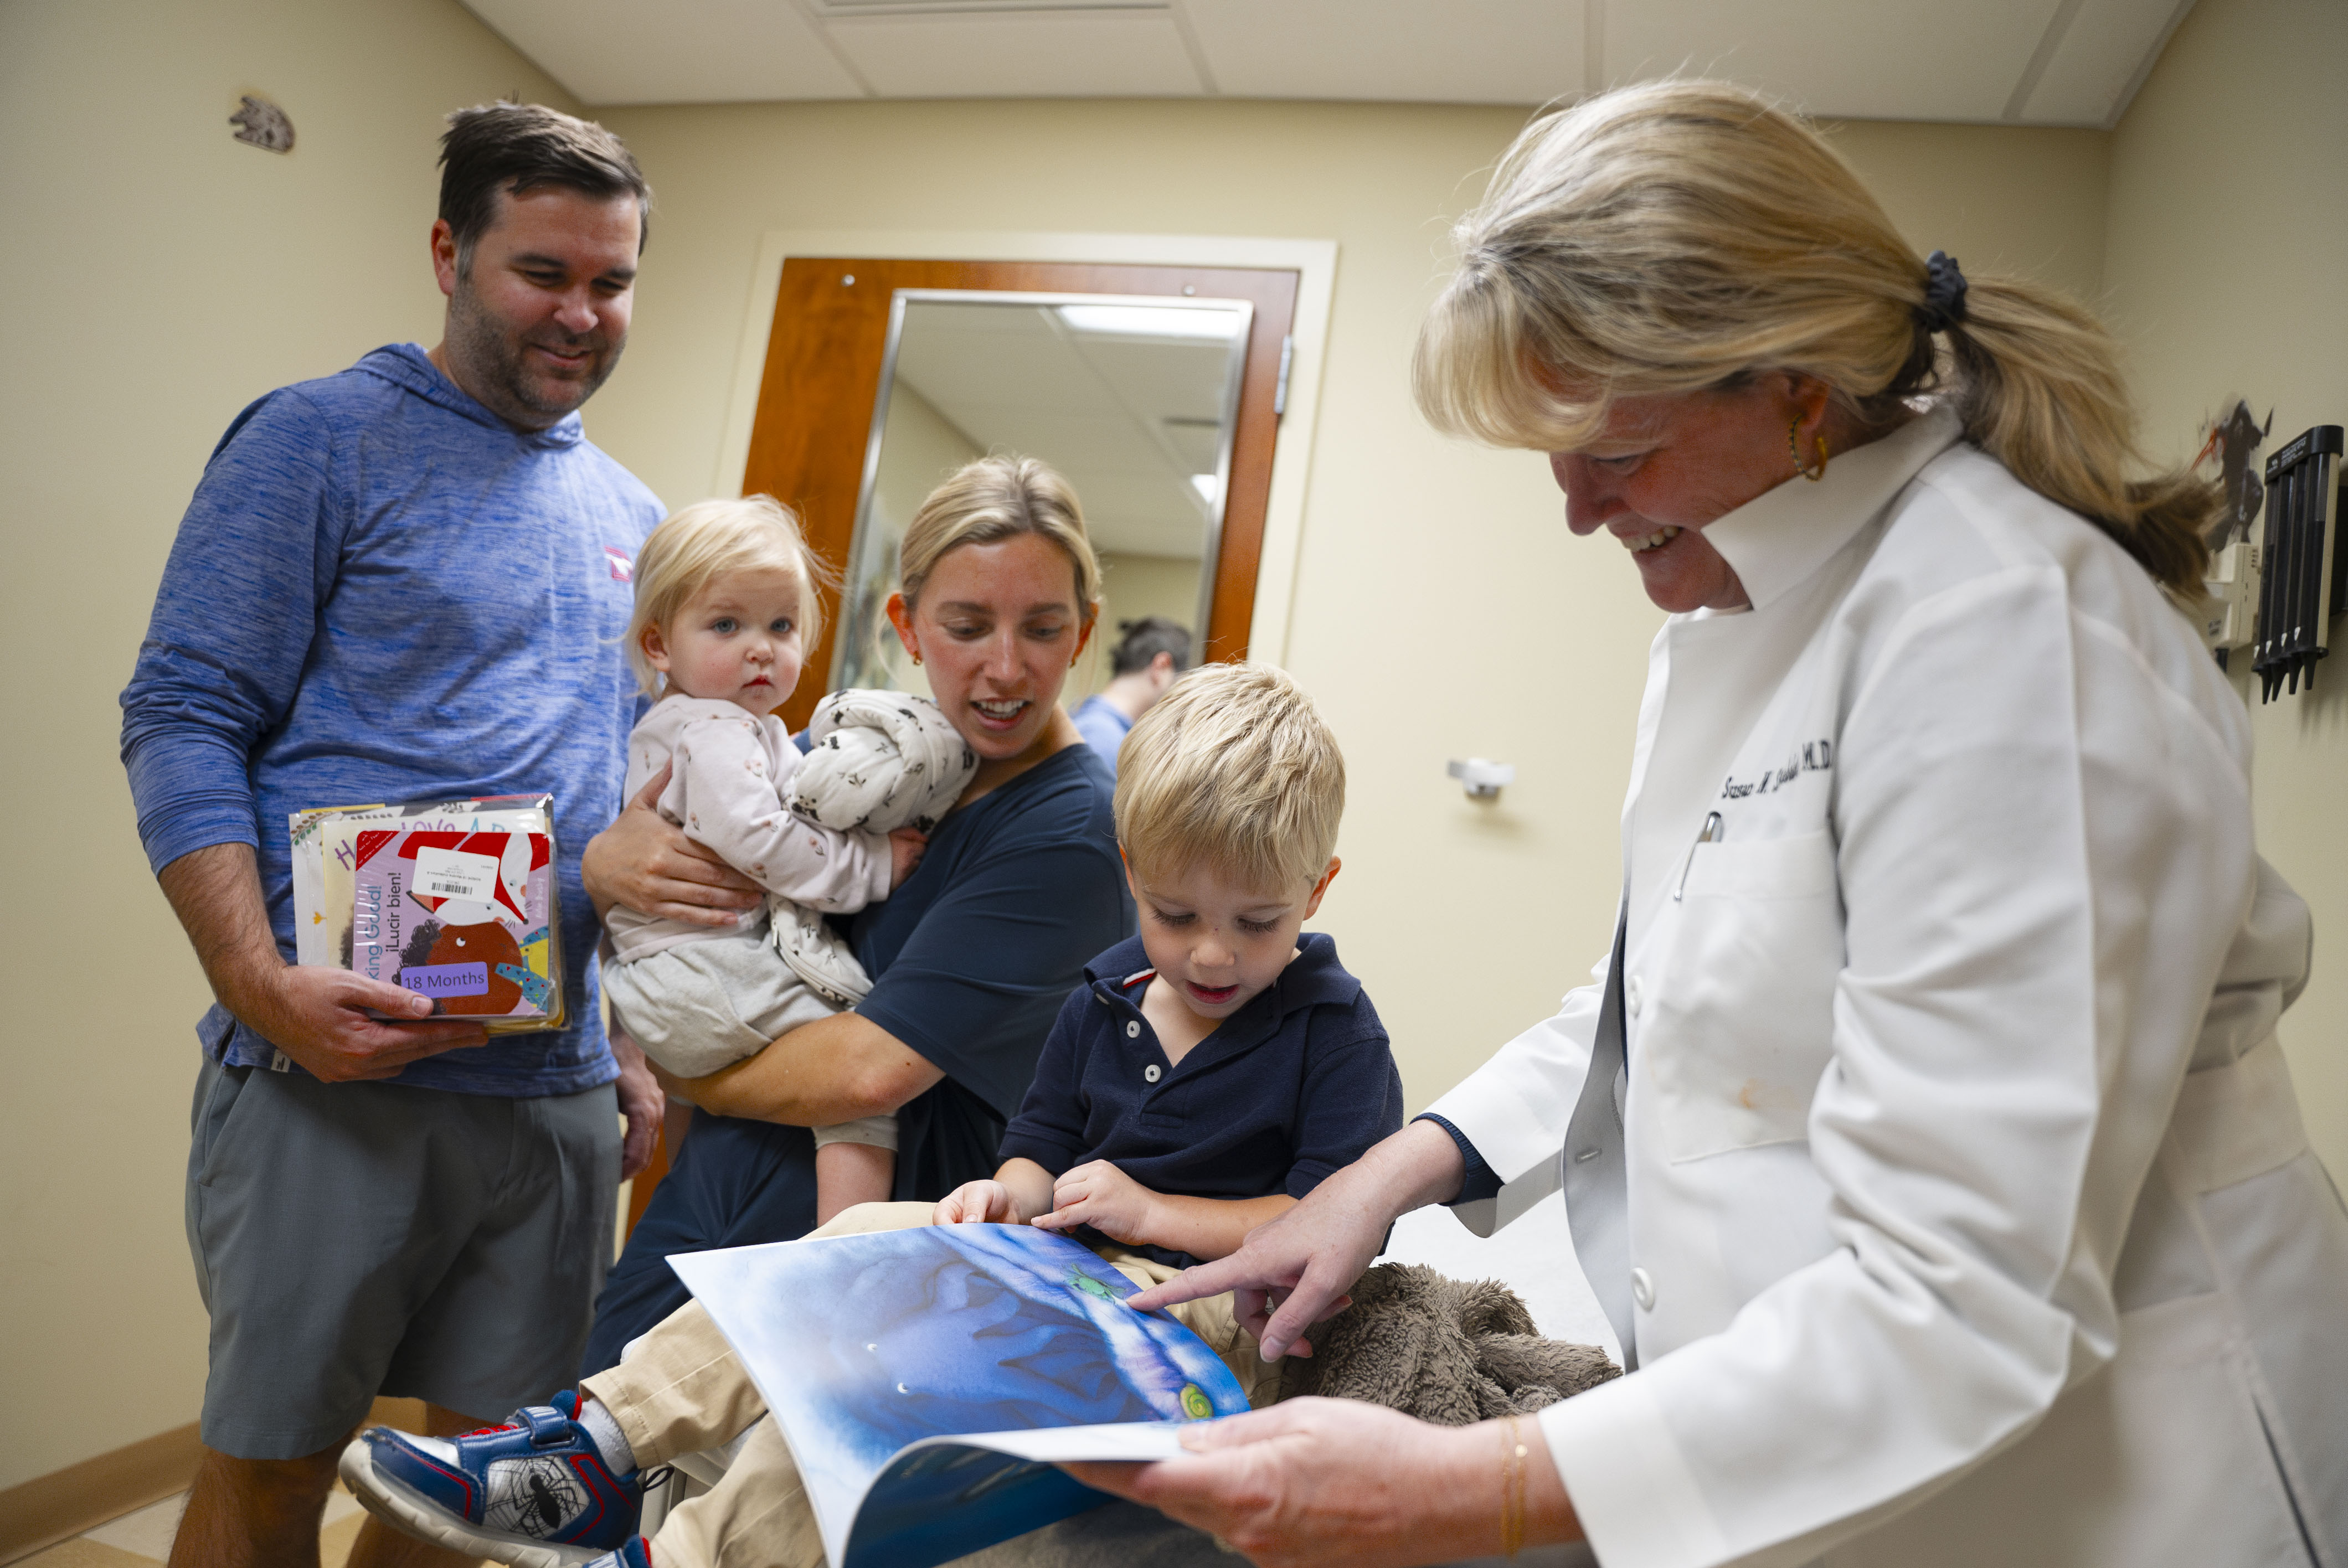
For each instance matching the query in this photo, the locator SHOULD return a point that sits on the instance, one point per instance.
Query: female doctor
(1925, 1136)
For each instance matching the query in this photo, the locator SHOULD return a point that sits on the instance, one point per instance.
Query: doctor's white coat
(1938, 1165)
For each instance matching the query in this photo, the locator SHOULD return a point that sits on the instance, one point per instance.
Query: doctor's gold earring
(1793, 445)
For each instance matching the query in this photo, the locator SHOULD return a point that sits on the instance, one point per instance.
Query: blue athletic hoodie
(382, 593)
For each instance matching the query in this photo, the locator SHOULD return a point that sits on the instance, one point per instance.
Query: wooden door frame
(1314, 260)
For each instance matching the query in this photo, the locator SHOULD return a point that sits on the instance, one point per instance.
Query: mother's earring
(1793, 445)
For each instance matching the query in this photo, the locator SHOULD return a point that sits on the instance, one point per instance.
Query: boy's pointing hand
(976, 1203)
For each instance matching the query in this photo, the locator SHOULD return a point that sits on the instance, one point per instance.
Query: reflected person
(1149, 656)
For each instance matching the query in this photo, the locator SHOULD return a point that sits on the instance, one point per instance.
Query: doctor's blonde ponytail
(1680, 235)
(2037, 382)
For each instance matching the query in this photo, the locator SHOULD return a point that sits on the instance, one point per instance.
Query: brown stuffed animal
(1441, 1349)
(1448, 1351)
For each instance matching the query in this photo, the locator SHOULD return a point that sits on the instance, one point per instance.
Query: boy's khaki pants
(681, 1390)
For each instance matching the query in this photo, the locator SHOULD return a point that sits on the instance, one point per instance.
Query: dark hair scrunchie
(1944, 293)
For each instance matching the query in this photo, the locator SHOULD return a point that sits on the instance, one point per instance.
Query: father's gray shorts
(357, 1239)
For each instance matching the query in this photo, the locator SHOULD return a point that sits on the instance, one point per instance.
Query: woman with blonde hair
(1925, 1136)
(970, 959)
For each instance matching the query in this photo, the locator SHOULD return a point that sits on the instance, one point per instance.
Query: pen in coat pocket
(1710, 835)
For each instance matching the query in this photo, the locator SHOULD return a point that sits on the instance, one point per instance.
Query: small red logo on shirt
(622, 568)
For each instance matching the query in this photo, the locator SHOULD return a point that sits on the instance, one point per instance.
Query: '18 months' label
(447, 979)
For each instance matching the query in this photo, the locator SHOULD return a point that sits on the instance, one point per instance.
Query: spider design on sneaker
(534, 1497)
(549, 1506)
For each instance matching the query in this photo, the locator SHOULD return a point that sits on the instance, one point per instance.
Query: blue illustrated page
(867, 1345)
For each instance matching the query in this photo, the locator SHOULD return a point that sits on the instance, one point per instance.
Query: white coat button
(1631, 995)
(1642, 1289)
(1132, 1029)
(1150, 1074)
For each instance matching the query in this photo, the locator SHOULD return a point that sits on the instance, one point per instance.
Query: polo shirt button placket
(1133, 1029)
(1150, 1073)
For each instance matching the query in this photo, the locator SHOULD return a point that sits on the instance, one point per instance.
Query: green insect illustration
(1089, 1286)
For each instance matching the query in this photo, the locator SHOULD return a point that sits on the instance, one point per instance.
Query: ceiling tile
(1105, 444)
(681, 51)
(1158, 380)
(1888, 59)
(960, 371)
(2102, 54)
(1458, 51)
(1116, 536)
(1863, 59)
(1028, 55)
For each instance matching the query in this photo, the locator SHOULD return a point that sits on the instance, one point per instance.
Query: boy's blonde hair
(1234, 769)
(694, 547)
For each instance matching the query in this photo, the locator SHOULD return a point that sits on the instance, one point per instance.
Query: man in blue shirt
(405, 581)
(1147, 660)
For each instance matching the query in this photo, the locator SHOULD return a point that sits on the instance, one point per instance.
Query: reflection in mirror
(1133, 398)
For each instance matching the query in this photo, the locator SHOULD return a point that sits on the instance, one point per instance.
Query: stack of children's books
(452, 899)
(950, 1368)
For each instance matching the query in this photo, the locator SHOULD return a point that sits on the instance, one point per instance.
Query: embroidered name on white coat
(1814, 757)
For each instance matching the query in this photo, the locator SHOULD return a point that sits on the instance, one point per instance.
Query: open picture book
(927, 1380)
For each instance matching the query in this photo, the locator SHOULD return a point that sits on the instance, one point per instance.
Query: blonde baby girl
(725, 609)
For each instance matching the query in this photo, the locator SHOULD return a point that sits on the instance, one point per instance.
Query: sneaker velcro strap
(548, 1426)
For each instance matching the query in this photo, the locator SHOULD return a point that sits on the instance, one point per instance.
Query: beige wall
(1997, 198)
(2228, 223)
(1441, 610)
(158, 276)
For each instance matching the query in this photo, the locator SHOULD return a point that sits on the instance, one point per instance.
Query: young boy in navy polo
(1209, 1074)
(1215, 1068)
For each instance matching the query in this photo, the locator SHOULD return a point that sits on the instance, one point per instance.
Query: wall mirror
(1134, 398)
(1157, 389)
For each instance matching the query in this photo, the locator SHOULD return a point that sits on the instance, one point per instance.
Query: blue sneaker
(534, 1492)
(635, 1552)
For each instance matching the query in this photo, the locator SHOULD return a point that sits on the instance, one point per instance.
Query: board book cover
(455, 900)
(928, 1380)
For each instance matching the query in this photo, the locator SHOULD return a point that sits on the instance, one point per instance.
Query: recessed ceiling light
(963, 7)
(1152, 320)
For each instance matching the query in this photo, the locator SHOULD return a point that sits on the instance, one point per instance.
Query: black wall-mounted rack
(2301, 586)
